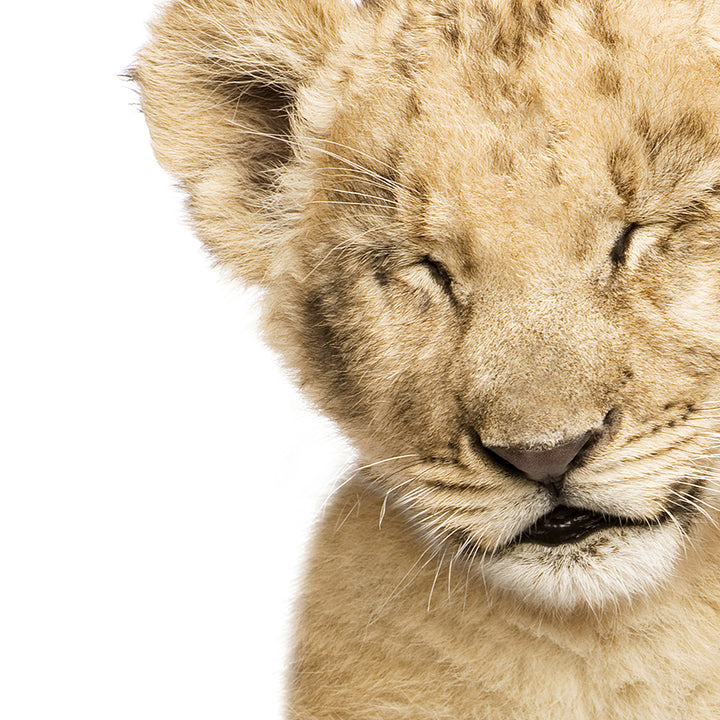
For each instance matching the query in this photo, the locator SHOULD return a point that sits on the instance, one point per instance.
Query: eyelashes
(439, 274)
(619, 251)
(425, 275)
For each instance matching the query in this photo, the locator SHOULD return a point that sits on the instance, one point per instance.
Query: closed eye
(439, 274)
(619, 251)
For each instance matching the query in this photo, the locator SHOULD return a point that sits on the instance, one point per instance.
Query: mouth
(570, 525)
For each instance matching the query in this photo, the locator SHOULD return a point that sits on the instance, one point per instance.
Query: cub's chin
(602, 569)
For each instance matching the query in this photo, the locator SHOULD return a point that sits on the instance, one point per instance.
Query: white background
(158, 474)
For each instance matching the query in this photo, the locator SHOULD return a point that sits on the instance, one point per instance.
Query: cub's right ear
(218, 82)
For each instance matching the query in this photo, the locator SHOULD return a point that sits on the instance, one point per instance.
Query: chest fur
(388, 629)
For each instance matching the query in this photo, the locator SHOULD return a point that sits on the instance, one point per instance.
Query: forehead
(500, 113)
(519, 62)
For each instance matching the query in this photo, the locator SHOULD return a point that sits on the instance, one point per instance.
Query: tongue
(565, 525)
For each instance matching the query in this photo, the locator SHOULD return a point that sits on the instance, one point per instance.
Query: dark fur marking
(403, 66)
(460, 510)
(328, 356)
(690, 409)
(263, 167)
(407, 409)
(450, 25)
(602, 27)
(682, 501)
(642, 125)
(696, 211)
(500, 46)
(607, 80)
(412, 107)
(674, 404)
(698, 351)
(592, 548)
(388, 175)
(517, 8)
(621, 167)
(554, 175)
(420, 199)
(385, 189)
(509, 44)
(347, 74)
(409, 22)
(518, 47)
(381, 260)
(543, 17)
(534, 20)
(452, 34)
(502, 159)
(689, 127)
(374, 7)
(406, 43)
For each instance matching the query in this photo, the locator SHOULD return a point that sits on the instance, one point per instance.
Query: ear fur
(218, 82)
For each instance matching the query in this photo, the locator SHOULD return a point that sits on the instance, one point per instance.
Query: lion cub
(488, 232)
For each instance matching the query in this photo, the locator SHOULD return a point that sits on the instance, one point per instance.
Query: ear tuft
(218, 83)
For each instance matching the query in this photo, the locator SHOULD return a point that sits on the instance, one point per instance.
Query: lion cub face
(492, 253)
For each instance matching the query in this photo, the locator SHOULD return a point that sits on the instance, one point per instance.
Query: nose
(545, 465)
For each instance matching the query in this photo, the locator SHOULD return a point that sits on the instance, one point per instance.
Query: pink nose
(544, 465)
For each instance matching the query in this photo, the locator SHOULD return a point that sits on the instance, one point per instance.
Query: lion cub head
(489, 237)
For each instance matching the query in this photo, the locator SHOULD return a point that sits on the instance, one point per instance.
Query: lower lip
(565, 525)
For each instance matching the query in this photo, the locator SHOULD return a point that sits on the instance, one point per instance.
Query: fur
(479, 224)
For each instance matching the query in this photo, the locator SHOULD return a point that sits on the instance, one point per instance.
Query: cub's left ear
(218, 82)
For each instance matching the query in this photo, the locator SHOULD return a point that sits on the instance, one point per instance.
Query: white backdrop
(158, 474)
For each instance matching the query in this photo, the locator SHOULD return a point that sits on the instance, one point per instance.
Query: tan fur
(479, 223)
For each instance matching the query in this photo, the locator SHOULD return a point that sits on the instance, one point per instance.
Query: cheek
(674, 322)
(686, 290)
(408, 322)
(384, 352)
(413, 337)
(413, 341)
(695, 306)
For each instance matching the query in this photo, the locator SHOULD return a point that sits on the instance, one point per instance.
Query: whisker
(355, 193)
(301, 143)
(386, 460)
(432, 587)
(345, 244)
(362, 205)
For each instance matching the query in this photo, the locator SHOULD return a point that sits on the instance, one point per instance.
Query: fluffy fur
(479, 224)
